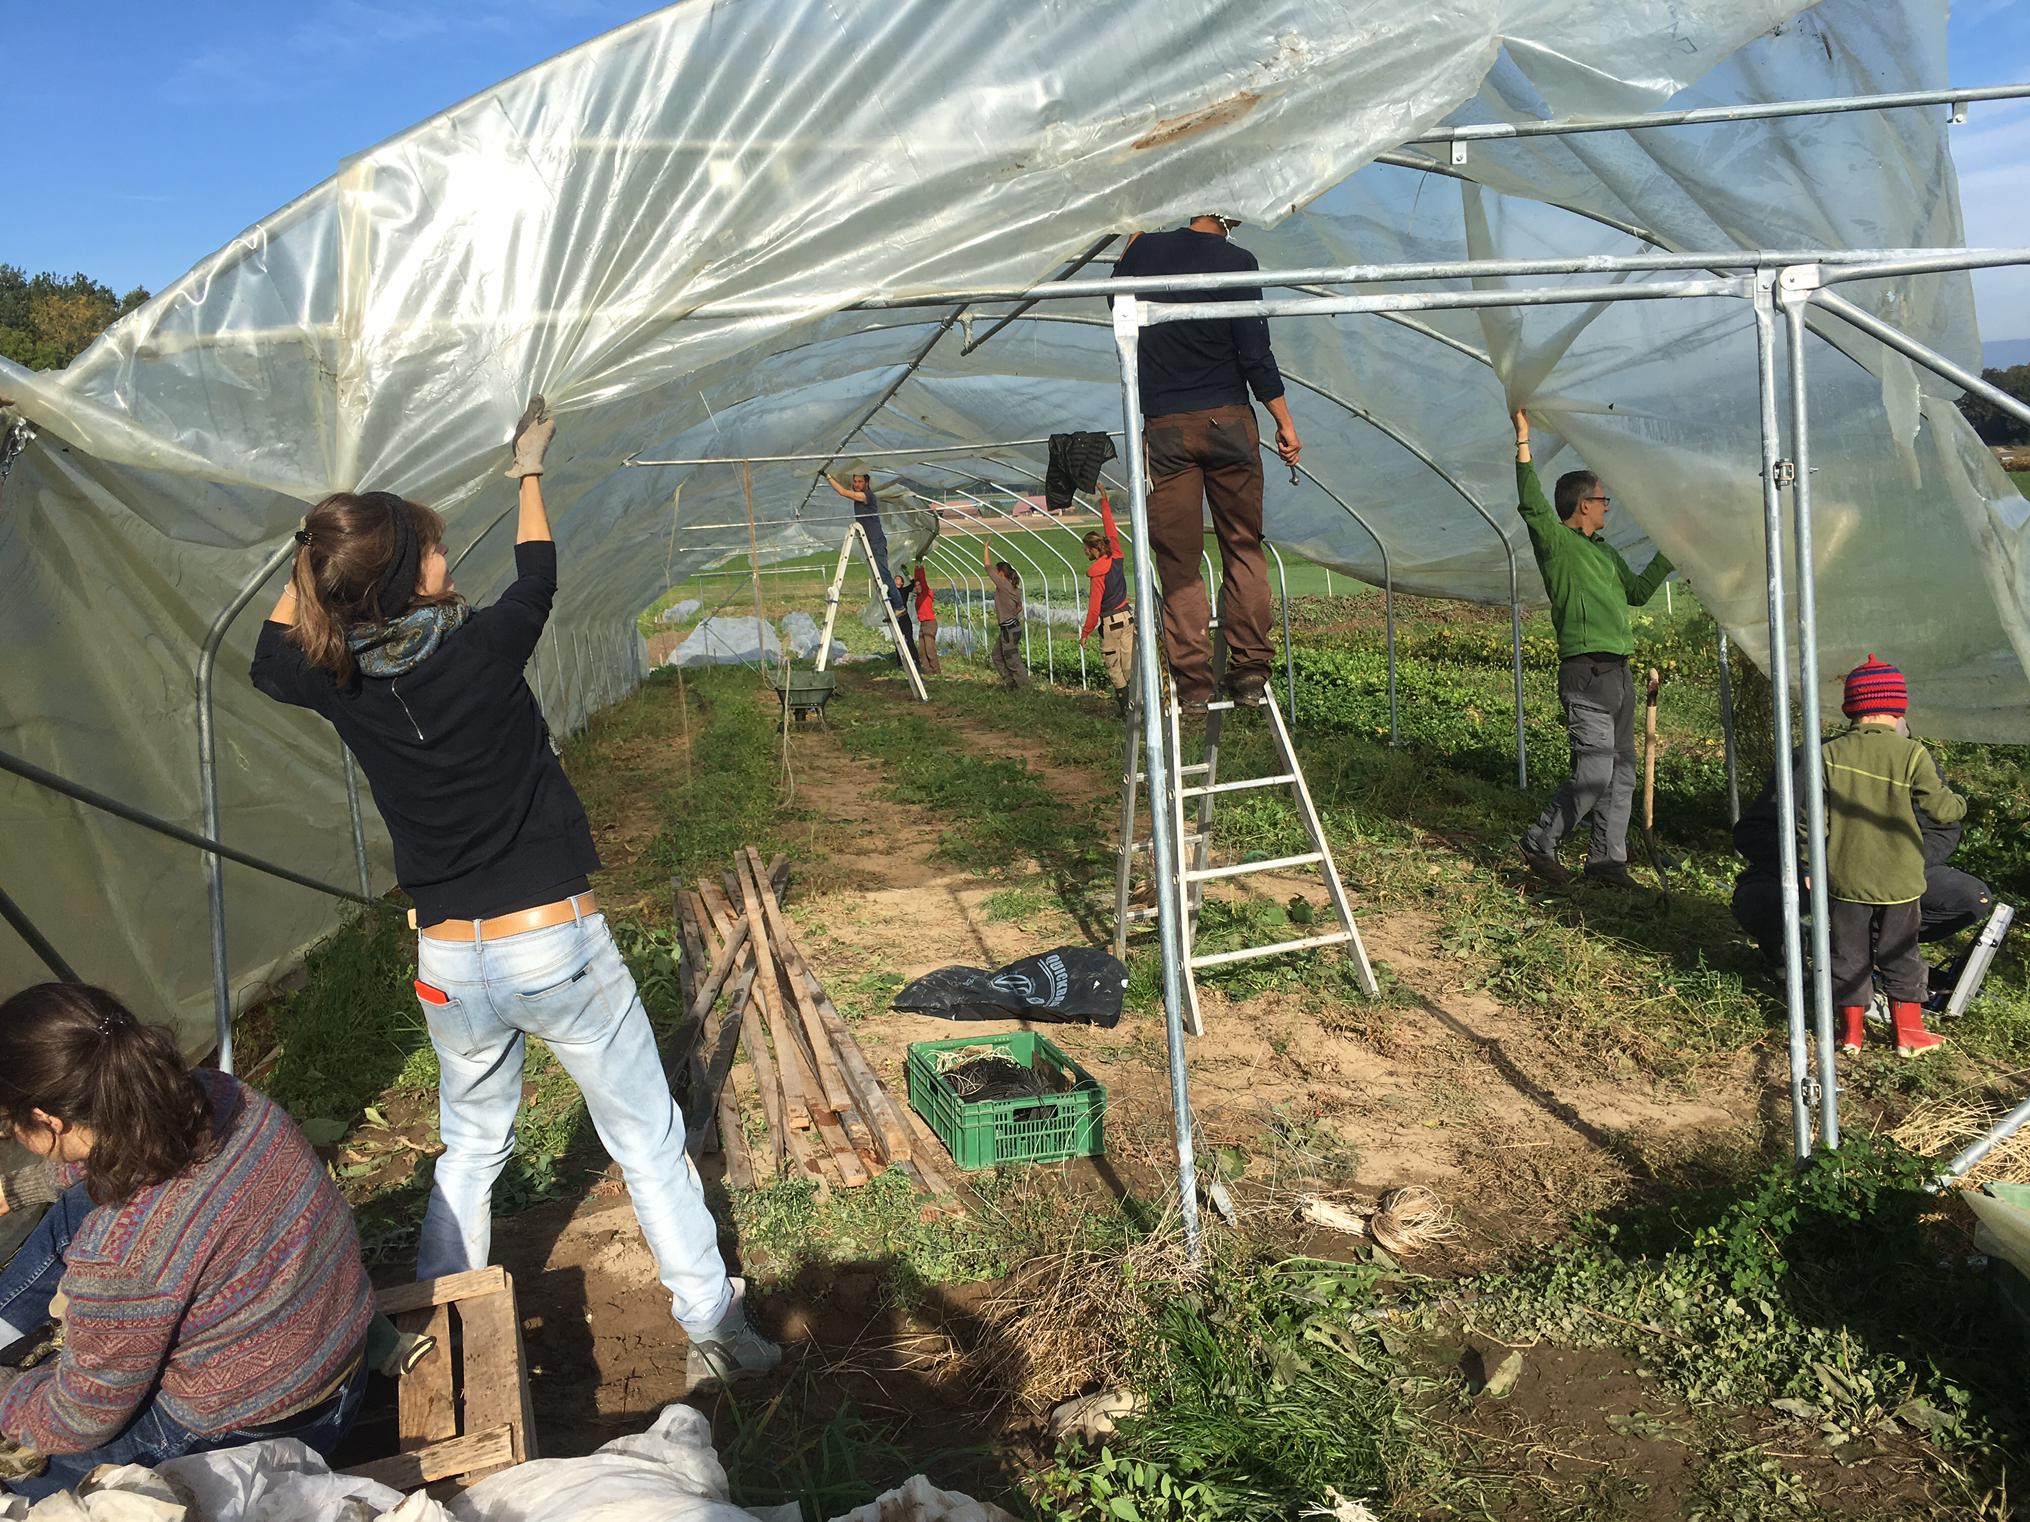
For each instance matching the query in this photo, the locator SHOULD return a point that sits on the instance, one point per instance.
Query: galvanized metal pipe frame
(1779, 687)
(1157, 764)
(1071, 571)
(1964, 1162)
(1791, 296)
(1289, 650)
(1483, 132)
(37, 942)
(964, 578)
(1727, 736)
(869, 454)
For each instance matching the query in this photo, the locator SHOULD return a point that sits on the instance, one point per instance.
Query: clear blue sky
(145, 135)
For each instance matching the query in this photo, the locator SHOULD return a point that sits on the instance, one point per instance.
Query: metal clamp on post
(1786, 472)
(19, 434)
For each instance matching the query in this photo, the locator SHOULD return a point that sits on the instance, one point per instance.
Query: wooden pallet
(463, 1412)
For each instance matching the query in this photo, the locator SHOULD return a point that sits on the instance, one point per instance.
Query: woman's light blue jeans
(567, 986)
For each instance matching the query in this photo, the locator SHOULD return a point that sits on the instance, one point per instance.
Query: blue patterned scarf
(403, 644)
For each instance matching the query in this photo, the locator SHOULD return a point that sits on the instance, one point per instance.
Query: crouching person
(214, 1293)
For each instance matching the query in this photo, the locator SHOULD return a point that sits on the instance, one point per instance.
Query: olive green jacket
(1590, 585)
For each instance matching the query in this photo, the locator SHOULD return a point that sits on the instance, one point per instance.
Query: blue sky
(156, 133)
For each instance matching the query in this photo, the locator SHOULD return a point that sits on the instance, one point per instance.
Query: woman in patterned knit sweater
(213, 1277)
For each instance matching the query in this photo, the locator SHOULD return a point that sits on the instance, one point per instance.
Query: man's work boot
(733, 1349)
(1544, 866)
(1612, 874)
(1192, 704)
(1248, 689)
(1912, 1039)
(1853, 1027)
(1121, 704)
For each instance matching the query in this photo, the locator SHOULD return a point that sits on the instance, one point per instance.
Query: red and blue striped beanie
(1875, 687)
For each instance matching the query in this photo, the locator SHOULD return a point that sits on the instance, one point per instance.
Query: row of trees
(1993, 424)
(47, 320)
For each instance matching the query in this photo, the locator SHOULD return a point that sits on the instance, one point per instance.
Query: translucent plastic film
(572, 230)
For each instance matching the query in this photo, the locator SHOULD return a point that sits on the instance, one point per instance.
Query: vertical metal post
(1289, 650)
(1156, 763)
(1727, 736)
(1389, 626)
(359, 832)
(1779, 688)
(208, 787)
(1793, 289)
(1515, 642)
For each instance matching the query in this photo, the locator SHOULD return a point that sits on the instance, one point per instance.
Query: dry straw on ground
(1940, 1128)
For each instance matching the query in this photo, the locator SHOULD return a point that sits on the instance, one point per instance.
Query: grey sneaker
(1546, 867)
(733, 1349)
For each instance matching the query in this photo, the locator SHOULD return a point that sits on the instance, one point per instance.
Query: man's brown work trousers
(1197, 458)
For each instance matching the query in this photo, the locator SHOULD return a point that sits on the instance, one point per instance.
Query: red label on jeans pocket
(431, 995)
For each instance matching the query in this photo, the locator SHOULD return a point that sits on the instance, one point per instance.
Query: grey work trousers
(1006, 655)
(1599, 701)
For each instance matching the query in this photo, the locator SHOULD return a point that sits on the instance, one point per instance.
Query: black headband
(395, 587)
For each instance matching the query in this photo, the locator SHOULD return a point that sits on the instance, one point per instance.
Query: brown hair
(78, 1054)
(1095, 542)
(1572, 485)
(1014, 576)
(351, 542)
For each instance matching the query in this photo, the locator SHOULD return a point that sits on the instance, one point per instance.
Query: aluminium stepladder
(1200, 780)
(858, 535)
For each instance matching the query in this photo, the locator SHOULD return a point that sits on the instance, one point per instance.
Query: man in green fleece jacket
(1591, 590)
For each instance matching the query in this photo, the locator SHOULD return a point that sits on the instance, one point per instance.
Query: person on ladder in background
(1107, 607)
(926, 625)
(1204, 448)
(858, 489)
(1591, 590)
(1006, 656)
(492, 845)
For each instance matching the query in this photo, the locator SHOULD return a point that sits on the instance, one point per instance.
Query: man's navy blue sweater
(1190, 366)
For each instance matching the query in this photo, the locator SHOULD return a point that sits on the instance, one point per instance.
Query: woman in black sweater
(492, 845)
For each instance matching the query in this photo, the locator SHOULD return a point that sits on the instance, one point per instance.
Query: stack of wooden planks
(769, 1042)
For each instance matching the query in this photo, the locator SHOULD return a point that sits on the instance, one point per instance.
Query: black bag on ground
(1071, 985)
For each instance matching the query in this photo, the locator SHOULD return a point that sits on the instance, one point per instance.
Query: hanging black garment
(1075, 461)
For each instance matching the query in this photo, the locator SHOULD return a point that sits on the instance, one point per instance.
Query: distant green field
(2022, 480)
(1053, 553)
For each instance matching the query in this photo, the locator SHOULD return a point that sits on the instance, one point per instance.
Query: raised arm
(1532, 503)
(839, 486)
(1107, 524)
(531, 442)
(987, 551)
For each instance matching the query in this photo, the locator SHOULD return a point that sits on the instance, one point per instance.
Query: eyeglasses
(1603, 501)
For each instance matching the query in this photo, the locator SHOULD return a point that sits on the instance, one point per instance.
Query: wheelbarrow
(805, 693)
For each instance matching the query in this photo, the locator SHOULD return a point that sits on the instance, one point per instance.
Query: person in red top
(1107, 608)
(926, 624)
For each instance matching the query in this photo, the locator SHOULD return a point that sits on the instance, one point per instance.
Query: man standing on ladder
(858, 489)
(1203, 447)
(1591, 590)
(1107, 608)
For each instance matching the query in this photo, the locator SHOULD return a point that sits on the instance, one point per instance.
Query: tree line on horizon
(48, 320)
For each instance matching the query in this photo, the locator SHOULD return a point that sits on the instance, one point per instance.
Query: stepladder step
(1274, 949)
(1245, 868)
(1275, 779)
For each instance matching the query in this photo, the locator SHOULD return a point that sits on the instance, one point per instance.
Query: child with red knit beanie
(1875, 777)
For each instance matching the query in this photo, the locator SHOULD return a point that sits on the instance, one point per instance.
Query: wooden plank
(689, 962)
(422, 1293)
(876, 1104)
(852, 1172)
(716, 975)
(733, 1140)
(716, 900)
(861, 1139)
(803, 1153)
(706, 924)
(838, 1095)
(765, 1083)
(720, 1048)
(425, 1409)
(796, 1095)
(741, 1094)
(475, 1453)
(492, 1354)
(929, 1180)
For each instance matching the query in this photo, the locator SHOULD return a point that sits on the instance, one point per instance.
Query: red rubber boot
(1853, 1026)
(1912, 1039)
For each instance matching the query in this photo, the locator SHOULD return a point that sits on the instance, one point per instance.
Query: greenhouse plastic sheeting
(561, 232)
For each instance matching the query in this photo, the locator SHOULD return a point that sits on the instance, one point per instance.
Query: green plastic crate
(990, 1131)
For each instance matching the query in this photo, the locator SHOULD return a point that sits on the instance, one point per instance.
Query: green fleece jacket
(1874, 844)
(1590, 585)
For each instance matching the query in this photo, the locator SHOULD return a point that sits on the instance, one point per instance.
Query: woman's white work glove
(532, 440)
